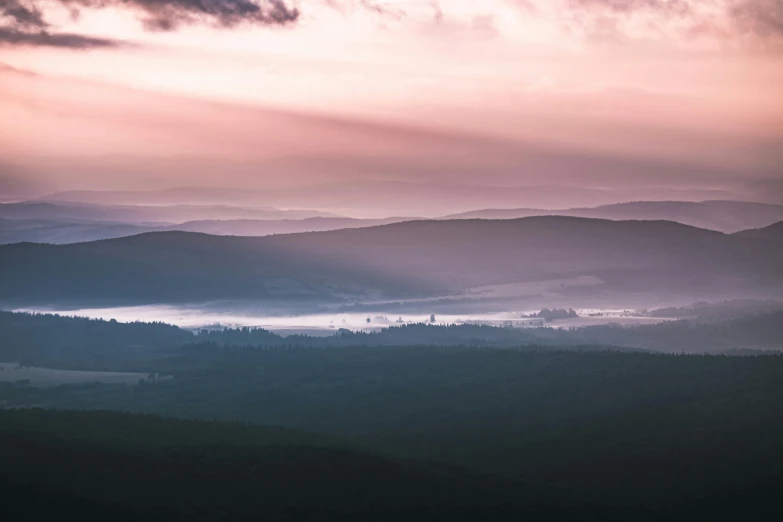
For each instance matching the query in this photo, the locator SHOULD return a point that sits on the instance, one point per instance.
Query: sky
(633, 96)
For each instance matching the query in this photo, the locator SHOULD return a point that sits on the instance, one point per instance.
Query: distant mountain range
(398, 261)
(144, 214)
(62, 223)
(61, 232)
(724, 216)
(255, 227)
(380, 199)
(64, 232)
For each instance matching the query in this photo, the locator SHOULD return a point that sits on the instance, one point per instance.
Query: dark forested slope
(179, 470)
(645, 431)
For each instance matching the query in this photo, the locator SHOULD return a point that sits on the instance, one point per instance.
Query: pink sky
(599, 93)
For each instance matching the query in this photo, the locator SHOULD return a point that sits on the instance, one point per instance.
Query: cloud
(21, 15)
(738, 21)
(22, 22)
(45, 39)
(762, 18)
(613, 18)
(626, 6)
(168, 15)
(381, 8)
(675, 23)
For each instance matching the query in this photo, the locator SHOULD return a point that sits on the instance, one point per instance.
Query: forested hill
(598, 427)
(149, 431)
(80, 343)
(85, 463)
(411, 259)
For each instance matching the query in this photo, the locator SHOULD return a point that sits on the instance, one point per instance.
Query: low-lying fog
(325, 324)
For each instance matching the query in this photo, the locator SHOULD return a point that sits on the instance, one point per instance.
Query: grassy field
(12, 372)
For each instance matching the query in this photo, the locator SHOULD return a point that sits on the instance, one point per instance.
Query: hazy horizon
(600, 101)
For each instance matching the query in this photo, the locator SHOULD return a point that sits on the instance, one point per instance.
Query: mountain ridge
(144, 214)
(63, 223)
(773, 232)
(722, 215)
(400, 260)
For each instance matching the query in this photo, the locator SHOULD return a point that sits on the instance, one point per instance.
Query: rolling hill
(772, 233)
(403, 260)
(64, 232)
(61, 232)
(64, 222)
(723, 216)
(383, 198)
(257, 227)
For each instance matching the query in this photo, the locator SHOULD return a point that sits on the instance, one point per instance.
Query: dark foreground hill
(615, 428)
(51, 473)
(403, 260)
(68, 464)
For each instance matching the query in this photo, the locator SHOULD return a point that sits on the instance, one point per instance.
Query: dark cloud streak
(19, 15)
(168, 15)
(760, 17)
(22, 22)
(45, 39)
